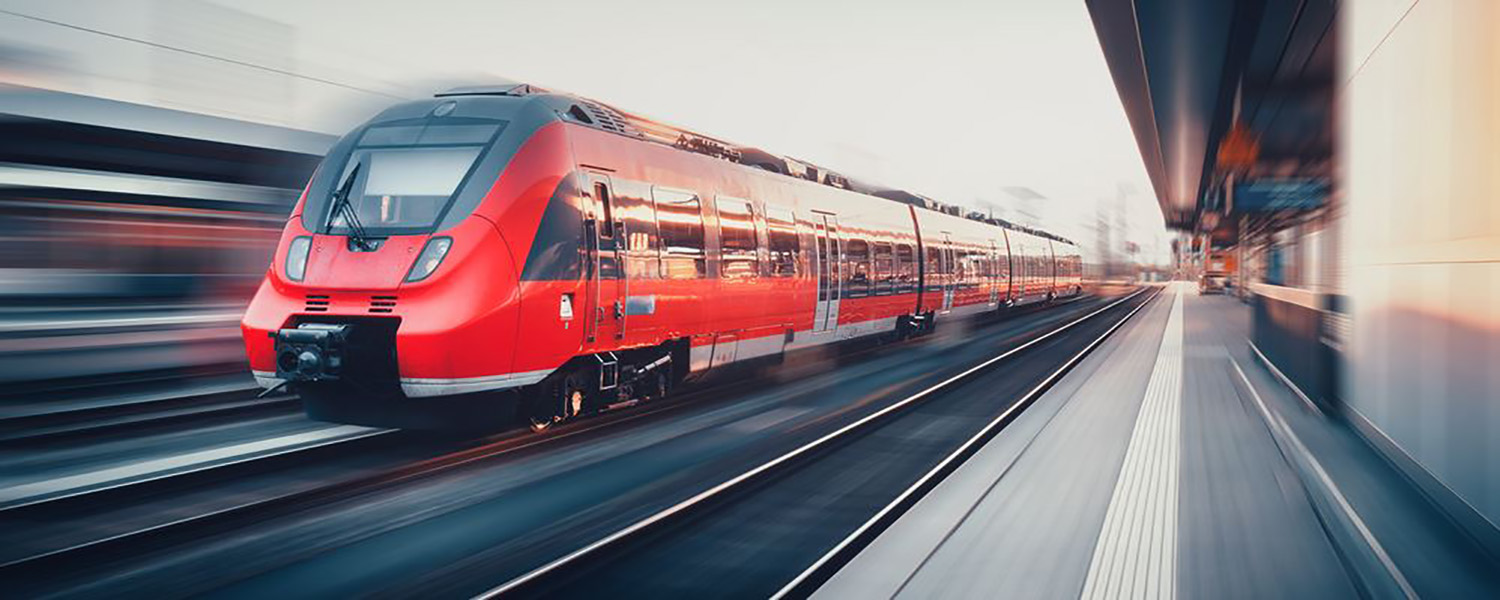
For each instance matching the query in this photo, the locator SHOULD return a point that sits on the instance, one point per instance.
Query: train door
(948, 271)
(1058, 270)
(607, 284)
(1018, 275)
(826, 262)
(1004, 271)
(1052, 279)
(993, 274)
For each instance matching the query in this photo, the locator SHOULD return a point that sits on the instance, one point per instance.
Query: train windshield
(408, 175)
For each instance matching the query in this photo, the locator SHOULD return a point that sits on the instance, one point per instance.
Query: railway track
(110, 407)
(431, 460)
(447, 457)
(611, 562)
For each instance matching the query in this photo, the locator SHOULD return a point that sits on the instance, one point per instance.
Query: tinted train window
(822, 264)
(402, 189)
(906, 270)
(857, 282)
(1019, 264)
(637, 221)
(739, 256)
(680, 217)
(1002, 264)
(983, 259)
(606, 225)
(934, 255)
(830, 261)
(885, 268)
(408, 174)
(961, 266)
(784, 245)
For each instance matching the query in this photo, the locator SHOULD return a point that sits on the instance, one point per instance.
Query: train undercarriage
(345, 369)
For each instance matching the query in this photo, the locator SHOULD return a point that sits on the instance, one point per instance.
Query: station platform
(1173, 463)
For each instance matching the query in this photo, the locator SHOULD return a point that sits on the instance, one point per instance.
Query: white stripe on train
(701, 358)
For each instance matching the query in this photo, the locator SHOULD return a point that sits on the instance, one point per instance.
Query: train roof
(598, 115)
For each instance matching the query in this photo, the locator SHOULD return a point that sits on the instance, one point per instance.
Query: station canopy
(1226, 94)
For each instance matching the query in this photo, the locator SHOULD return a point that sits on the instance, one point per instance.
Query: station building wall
(1421, 138)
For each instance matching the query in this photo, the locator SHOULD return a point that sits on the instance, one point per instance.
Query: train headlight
(296, 258)
(431, 256)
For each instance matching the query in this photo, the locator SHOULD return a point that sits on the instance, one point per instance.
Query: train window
(934, 255)
(739, 252)
(409, 173)
(411, 176)
(906, 270)
(400, 189)
(1018, 261)
(680, 217)
(823, 262)
(636, 223)
(885, 270)
(1002, 264)
(960, 269)
(857, 282)
(784, 244)
(607, 218)
(974, 268)
(965, 268)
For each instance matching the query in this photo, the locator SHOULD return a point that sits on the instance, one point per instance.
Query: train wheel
(563, 401)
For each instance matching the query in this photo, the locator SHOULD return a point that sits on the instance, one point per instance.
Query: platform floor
(1171, 463)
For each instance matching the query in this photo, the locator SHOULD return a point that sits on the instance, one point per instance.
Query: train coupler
(311, 352)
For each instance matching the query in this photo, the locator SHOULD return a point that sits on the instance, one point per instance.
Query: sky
(957, 100)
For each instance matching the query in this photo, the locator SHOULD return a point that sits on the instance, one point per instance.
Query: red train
(506, 251)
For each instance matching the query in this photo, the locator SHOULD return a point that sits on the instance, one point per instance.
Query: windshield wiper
(342, 207)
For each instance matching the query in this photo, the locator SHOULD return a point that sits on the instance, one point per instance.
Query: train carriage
(502, 252)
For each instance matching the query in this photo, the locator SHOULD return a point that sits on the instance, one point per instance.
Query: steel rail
(647, 524)
(505, 444)
(119, 544)
(825, 566)
(178, 474)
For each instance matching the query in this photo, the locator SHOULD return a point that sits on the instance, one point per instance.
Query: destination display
(1267, 195)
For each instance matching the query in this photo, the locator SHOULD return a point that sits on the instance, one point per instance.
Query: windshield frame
(354, 146)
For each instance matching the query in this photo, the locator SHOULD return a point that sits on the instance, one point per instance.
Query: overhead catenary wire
(200, 54)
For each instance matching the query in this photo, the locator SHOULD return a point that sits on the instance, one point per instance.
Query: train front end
(393, 298)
